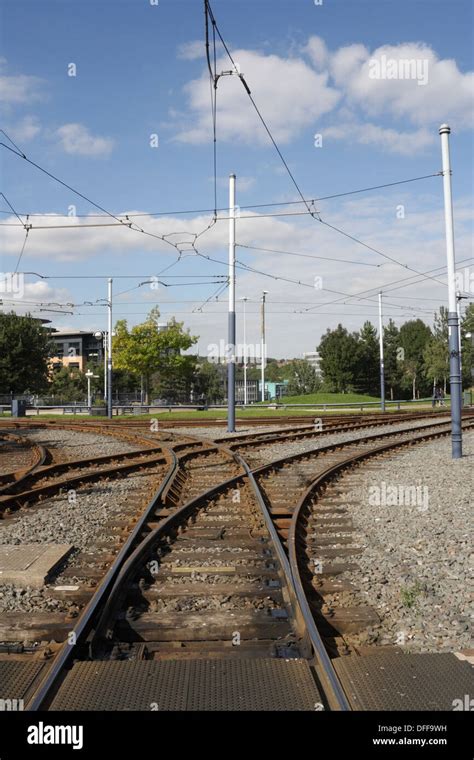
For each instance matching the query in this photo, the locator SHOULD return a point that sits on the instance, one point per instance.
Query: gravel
(214, 432)
(67, 445)
(268, 453)
(81, 523)
(416, 569)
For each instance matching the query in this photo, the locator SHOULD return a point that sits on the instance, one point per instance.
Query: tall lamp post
(453, 322)
(264, 294)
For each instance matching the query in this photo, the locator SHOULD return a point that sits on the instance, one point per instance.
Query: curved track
(221, 552)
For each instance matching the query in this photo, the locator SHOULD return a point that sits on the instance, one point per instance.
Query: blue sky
(140, 71)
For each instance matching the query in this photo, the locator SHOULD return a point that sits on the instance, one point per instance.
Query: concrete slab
(30, 564)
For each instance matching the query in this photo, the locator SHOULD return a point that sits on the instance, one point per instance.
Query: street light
(89, 375)
(245, 299)
(264, 294)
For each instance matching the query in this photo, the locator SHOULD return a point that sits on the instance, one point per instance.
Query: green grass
(409, 594)
(329, 398)
(220, 414)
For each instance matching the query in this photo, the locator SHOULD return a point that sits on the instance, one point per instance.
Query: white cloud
(293, 94)
(417, 241)
(446, 96)
(317, 51)
(191, 51)
(76, 139)
(403, 143)
(35, 296)
(26, 129)
(243, 183)
(290, 94)
(19, 88)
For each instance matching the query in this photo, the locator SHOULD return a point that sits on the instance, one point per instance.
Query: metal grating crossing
(398, 681)
(15, 679)
(238, 684)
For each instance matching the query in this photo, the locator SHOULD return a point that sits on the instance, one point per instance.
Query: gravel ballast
(81, 522)
(74, 444)
(416, 568)
(268, 453)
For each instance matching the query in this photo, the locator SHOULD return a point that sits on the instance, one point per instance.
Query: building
(273, 391)
(252, 391)
(313, 358)
(76, 349)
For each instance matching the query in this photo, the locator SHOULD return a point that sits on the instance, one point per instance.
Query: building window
(59, 350)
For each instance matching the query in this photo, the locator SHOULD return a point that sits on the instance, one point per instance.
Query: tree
(273, 372)
(467, 344)
(436, 352)
(339, 358)
(414, 337)
(303, 378)
(368, 370)
(392, 365)
(25, 348)
(209, 382)
(146, 350)
(68, 384)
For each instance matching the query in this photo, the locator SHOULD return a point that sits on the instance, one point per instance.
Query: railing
(136, 408)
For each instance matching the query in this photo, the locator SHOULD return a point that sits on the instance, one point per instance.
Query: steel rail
(321, 479)
(329, 682)
(83, 625)
(14, 477)
(129, 559)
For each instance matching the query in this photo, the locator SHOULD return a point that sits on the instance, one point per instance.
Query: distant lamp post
(89, 375)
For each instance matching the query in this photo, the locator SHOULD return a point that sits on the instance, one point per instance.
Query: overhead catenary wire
(306, 255)
(124, 222)
(386, 287)
(247, 89)
(312, 213)
(178, 212)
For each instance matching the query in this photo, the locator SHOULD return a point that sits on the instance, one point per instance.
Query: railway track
(209, 566)
(18, 450)
(28, 485)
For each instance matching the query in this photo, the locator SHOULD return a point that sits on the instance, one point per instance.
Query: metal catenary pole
(382, 365)
(245, 351)
(109, 351)
(263, 357)
(453, 322)
(231, 326)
